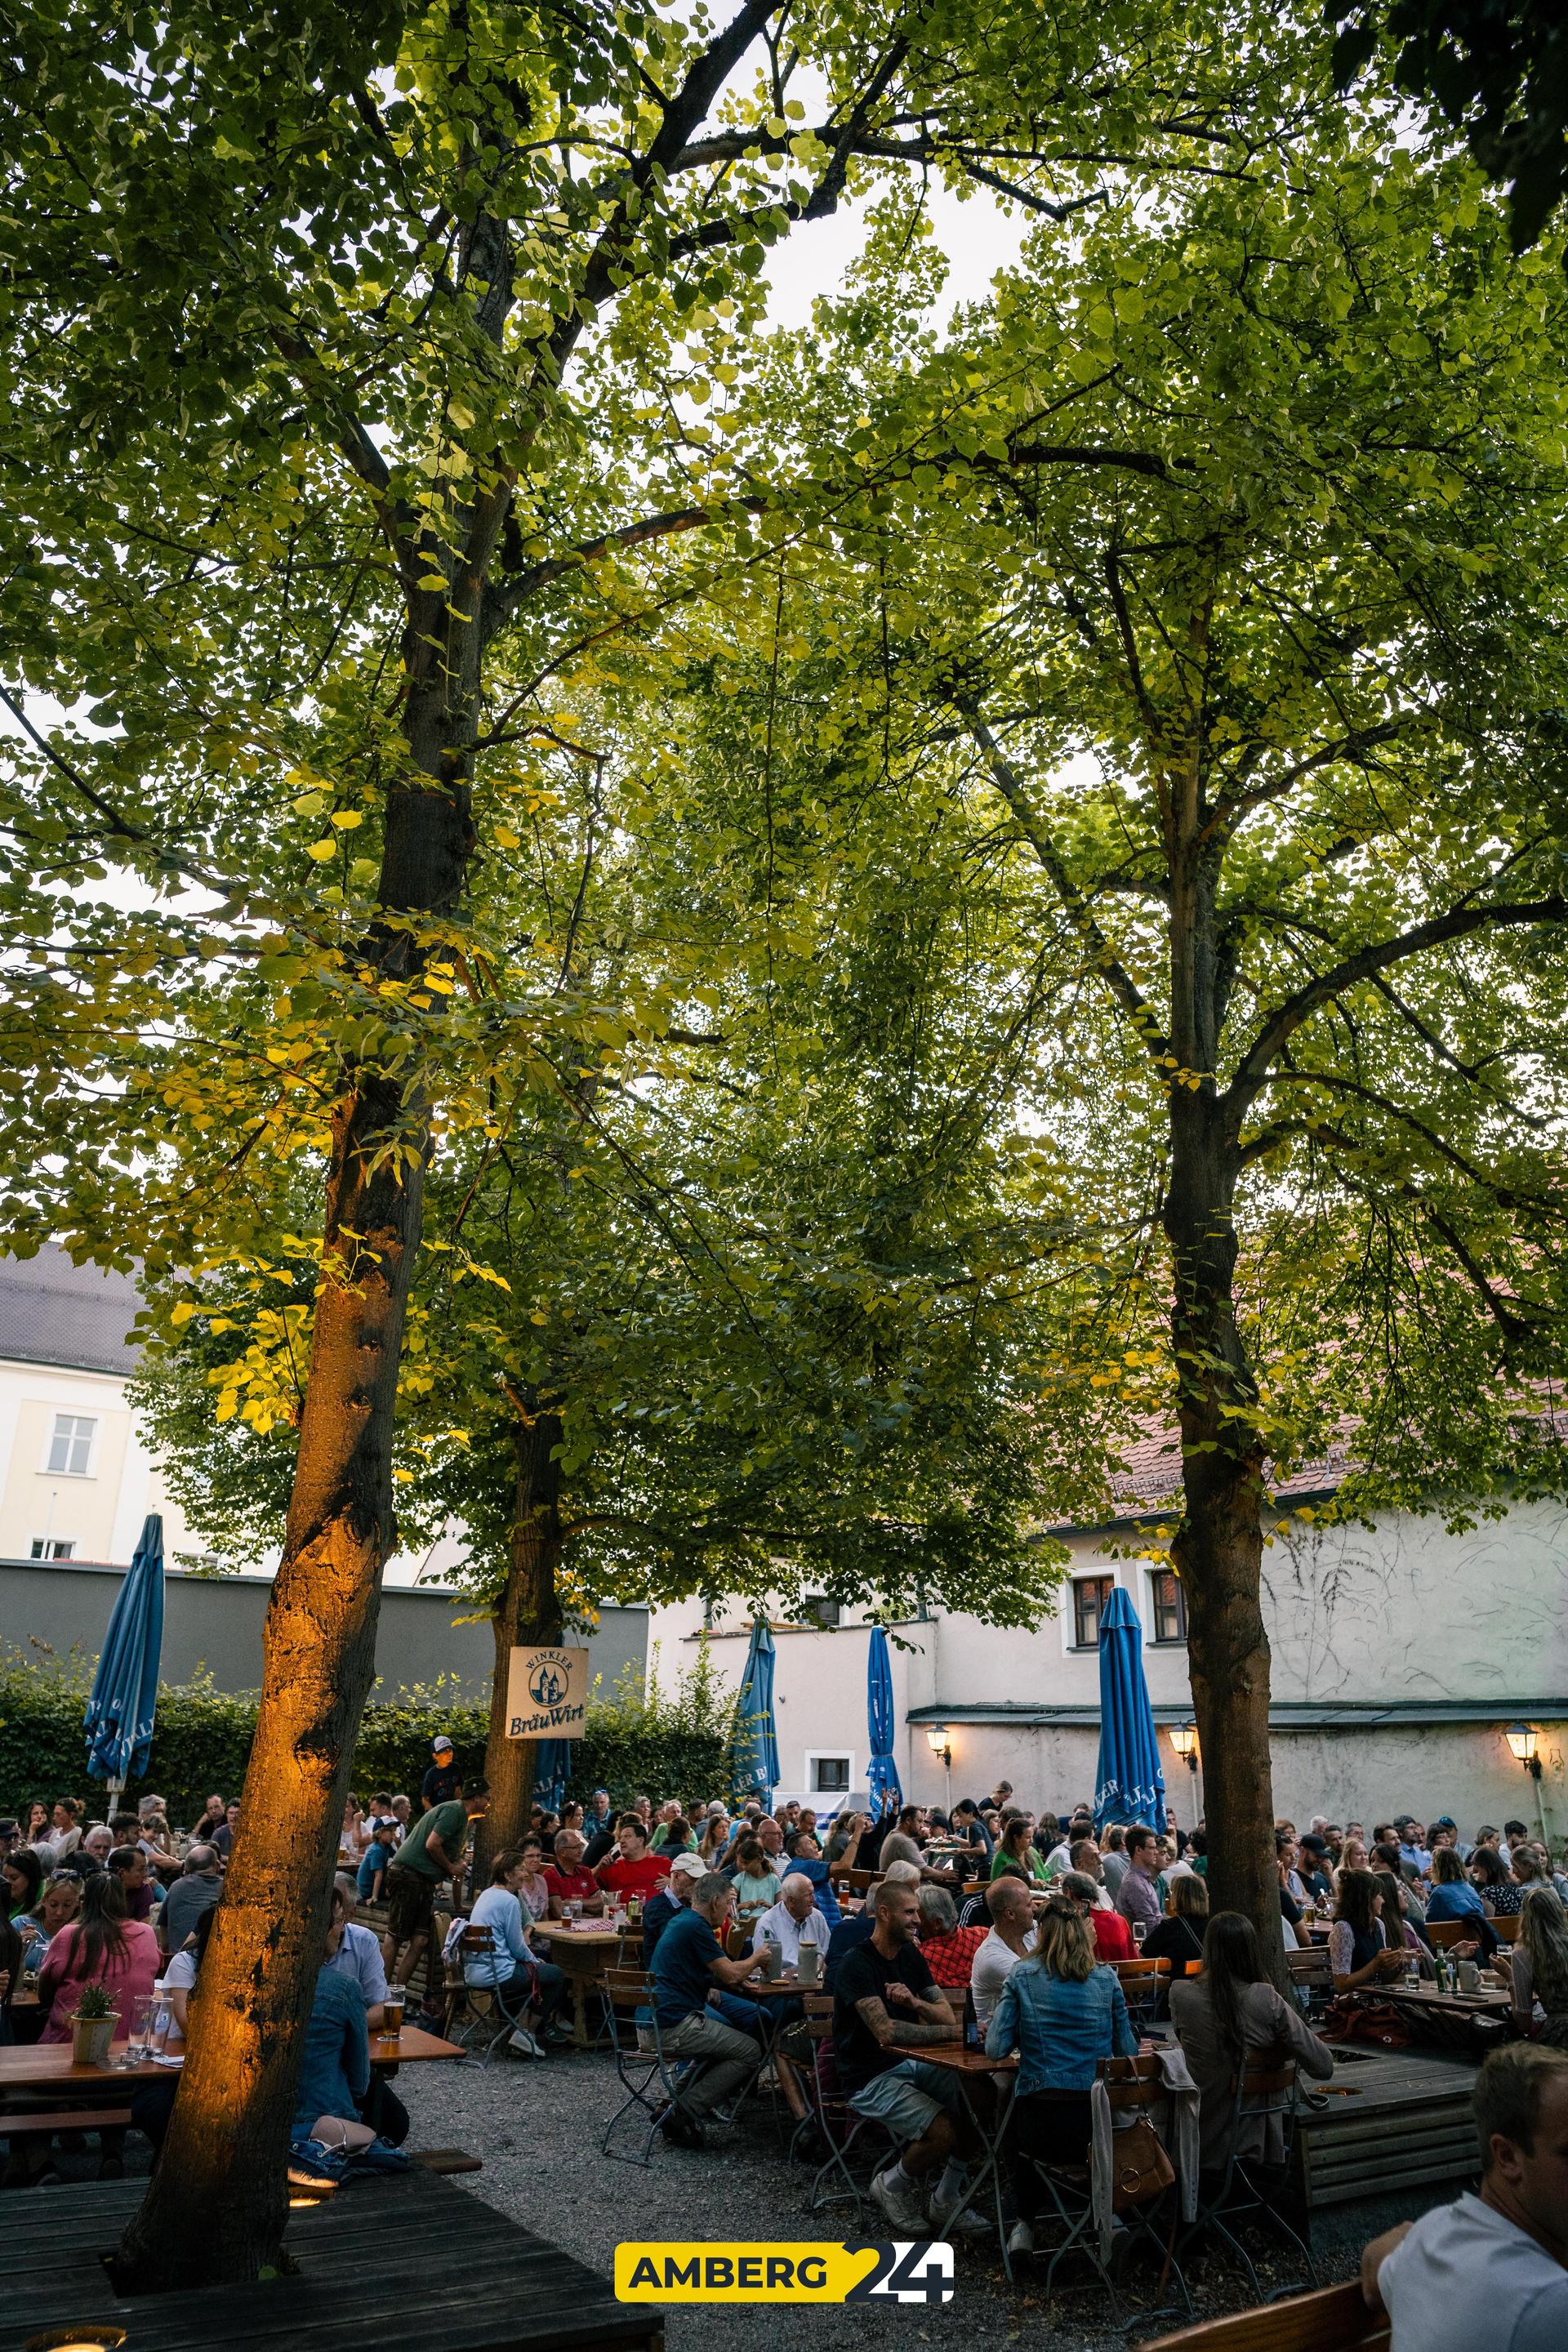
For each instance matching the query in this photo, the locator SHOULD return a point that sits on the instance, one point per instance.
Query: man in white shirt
(793, 1920)
(359, 1954)
(1012, 1934)
(1490, 2270)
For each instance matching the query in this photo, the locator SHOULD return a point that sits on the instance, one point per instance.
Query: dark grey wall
(216, 1623)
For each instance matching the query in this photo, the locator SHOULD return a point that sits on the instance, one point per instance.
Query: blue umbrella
(754, 1750)
(118, 1718)
(552, 1765)
(881, 1772)
(1131, 1786)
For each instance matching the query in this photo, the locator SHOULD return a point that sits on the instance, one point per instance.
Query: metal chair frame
(838, 2127)
(486, 2005)
(1262, 2093)
(645, 2062)
(1134, 2087)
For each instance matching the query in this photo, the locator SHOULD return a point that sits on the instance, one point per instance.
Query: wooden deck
(1407, 2126)
(404, 2261)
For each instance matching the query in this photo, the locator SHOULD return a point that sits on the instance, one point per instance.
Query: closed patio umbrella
(881, 1772)
(754, 1750)
(552, 1768)
(1131, 1786)
(118, 1718)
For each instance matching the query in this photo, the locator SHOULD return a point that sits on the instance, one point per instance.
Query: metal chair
(491, 2012)
(1264, 2094)
(1135, 2090)
(654, 2084)
(1142, 1982)
(838, 2128)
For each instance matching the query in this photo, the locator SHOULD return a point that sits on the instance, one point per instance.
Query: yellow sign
(791, 2271)
(546, 1694)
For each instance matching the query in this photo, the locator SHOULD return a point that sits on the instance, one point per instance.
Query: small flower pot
(91, 2040)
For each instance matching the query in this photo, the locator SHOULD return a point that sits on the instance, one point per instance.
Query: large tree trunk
(216, 2205)
(529, 1613)
(1218, 1548)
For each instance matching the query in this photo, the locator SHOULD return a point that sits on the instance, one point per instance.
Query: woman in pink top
(103, 1946)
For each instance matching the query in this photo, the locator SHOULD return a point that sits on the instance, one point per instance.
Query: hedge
(638, 1738)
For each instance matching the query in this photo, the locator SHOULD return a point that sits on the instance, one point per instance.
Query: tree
(1267, 698)
(1495, 69)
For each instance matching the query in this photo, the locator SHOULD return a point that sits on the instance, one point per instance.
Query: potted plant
(92, 2025)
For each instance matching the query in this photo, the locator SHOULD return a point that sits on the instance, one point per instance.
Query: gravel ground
(539, 2129)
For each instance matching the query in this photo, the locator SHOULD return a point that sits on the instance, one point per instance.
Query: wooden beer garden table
(582, 1950)
(48, 2065)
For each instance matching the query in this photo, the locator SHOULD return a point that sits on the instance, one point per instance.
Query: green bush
(638, 1738)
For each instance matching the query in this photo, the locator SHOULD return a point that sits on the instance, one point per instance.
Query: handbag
(1140, 2167)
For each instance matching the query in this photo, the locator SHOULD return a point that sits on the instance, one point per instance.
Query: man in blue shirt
(685, 1870)
(688, 1963)
(377, 1855)
(355, 1954)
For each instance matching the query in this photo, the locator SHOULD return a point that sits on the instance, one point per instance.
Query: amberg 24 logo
(907, 2271)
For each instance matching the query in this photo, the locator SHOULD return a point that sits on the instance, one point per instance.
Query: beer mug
(1470, 1976)
(808, 1968)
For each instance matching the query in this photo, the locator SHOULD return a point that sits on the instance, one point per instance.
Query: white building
(1400, 1658)
(76, 1476)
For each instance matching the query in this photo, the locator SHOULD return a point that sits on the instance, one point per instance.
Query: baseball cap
(1313, 1843)
(442, 1744)
(688, 1866)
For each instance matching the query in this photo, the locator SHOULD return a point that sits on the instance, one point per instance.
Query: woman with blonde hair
(1539, 1967)
(1062, 2013)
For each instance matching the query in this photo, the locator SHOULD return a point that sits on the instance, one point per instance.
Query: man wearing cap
(1312, 1868)
(685, 1870)
(442, 1784)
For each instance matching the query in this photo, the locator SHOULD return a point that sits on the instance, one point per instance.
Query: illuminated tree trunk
(529, 1613)
(215, 2207)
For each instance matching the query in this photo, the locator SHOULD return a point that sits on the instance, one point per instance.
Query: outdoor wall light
(96, 2337)
(1184, 1740)
(1522, 1740)
(939, 1742)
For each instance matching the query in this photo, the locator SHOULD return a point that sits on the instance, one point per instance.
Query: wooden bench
(65, 2119)
(1335, 2319)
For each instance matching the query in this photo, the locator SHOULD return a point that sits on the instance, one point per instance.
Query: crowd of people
(989, 1920)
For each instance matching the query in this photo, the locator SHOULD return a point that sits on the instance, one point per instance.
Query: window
(54, 1548)
(1170, 1606)
(70, 1447)
(818, 1606)
(829, 1776)
(1089, 1597)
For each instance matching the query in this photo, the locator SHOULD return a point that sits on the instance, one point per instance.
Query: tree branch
(1282, 1024)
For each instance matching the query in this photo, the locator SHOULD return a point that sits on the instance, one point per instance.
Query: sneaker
(557, 2033)
(680, 2129)
(524, 2044)
(969, 2224)
(1021, 2239)
(905, 2210)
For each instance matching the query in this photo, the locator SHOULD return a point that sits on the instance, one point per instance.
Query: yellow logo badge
(701, 2271)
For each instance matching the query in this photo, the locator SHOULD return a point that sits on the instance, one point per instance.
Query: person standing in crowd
(443, 1783)
(433, 1850)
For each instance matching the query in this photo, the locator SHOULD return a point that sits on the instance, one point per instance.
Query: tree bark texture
(528, 1614)
(215, 2207)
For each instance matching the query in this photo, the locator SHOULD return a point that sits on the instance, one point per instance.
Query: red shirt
(640, 1877)
(1113, 1936)
(571, 1885)
(951, 1959)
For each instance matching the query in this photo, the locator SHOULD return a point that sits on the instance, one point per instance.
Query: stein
(808, 1968)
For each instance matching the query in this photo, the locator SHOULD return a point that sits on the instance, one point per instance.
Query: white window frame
(38, 1548)
(1075, 1576)
(94, 1426)
(814, 1756)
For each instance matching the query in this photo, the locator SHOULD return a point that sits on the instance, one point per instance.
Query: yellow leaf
(346, 819)
(321, 850)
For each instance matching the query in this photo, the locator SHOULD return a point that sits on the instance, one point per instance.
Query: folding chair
(1134, 2087)
(1142, 1983)
(654, 2083)
(837, 2125)
(483, 2011)
(1312, 1979)
(1263, 2093)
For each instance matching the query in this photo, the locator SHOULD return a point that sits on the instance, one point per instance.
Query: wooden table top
(408, 2047)
(591, 1932)
(959, 2061)
(1485, 1997)
(43, 2065)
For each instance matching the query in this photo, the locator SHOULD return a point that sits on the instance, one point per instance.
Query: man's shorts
(908, 2098)
(410, 1905)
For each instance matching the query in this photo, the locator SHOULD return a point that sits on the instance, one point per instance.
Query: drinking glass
(140, 2030)
(573, 1906)
(1139, 1932)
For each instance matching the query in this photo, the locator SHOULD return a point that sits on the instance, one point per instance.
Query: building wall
(1402, 1614)
(103, 1513)
(214, 1624)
